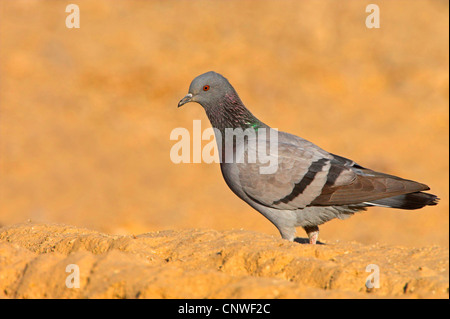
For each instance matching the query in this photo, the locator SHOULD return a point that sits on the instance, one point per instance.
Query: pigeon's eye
(206, 88)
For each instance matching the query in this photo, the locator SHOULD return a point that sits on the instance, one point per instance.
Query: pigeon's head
(208, 90)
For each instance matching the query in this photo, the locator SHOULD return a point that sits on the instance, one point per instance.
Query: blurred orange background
(86, 114)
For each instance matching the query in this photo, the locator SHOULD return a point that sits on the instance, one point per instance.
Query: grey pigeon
(309, 186)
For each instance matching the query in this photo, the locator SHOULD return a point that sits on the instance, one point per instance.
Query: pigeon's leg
(313, 234)
(287, 233)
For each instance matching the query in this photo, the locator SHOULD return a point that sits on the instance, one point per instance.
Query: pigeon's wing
(298, 178)
(367, 186)
(306, 175)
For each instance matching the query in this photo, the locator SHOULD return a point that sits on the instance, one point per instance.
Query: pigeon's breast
(230, 174)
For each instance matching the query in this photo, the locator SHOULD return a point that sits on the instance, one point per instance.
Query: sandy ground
(85, 120)
(208, 264)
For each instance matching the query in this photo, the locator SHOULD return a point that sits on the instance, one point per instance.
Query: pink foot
(313, 237)
(313, 234)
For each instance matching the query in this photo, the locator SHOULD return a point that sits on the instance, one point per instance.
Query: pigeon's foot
(313, 234)
(313, 237)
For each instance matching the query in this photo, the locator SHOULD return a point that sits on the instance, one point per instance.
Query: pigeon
(309, 186)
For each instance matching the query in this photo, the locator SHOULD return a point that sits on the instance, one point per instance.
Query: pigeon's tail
(407, 201)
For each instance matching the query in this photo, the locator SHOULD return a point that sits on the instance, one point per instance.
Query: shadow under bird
(309, 186)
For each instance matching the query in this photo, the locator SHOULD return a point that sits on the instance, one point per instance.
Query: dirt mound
(197, 263)
(86, 114)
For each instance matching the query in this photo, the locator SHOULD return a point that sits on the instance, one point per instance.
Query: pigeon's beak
(186, 99)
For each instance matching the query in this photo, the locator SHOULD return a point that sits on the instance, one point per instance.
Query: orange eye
(206, 88)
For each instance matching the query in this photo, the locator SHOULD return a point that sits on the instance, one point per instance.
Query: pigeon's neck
(230, 112)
